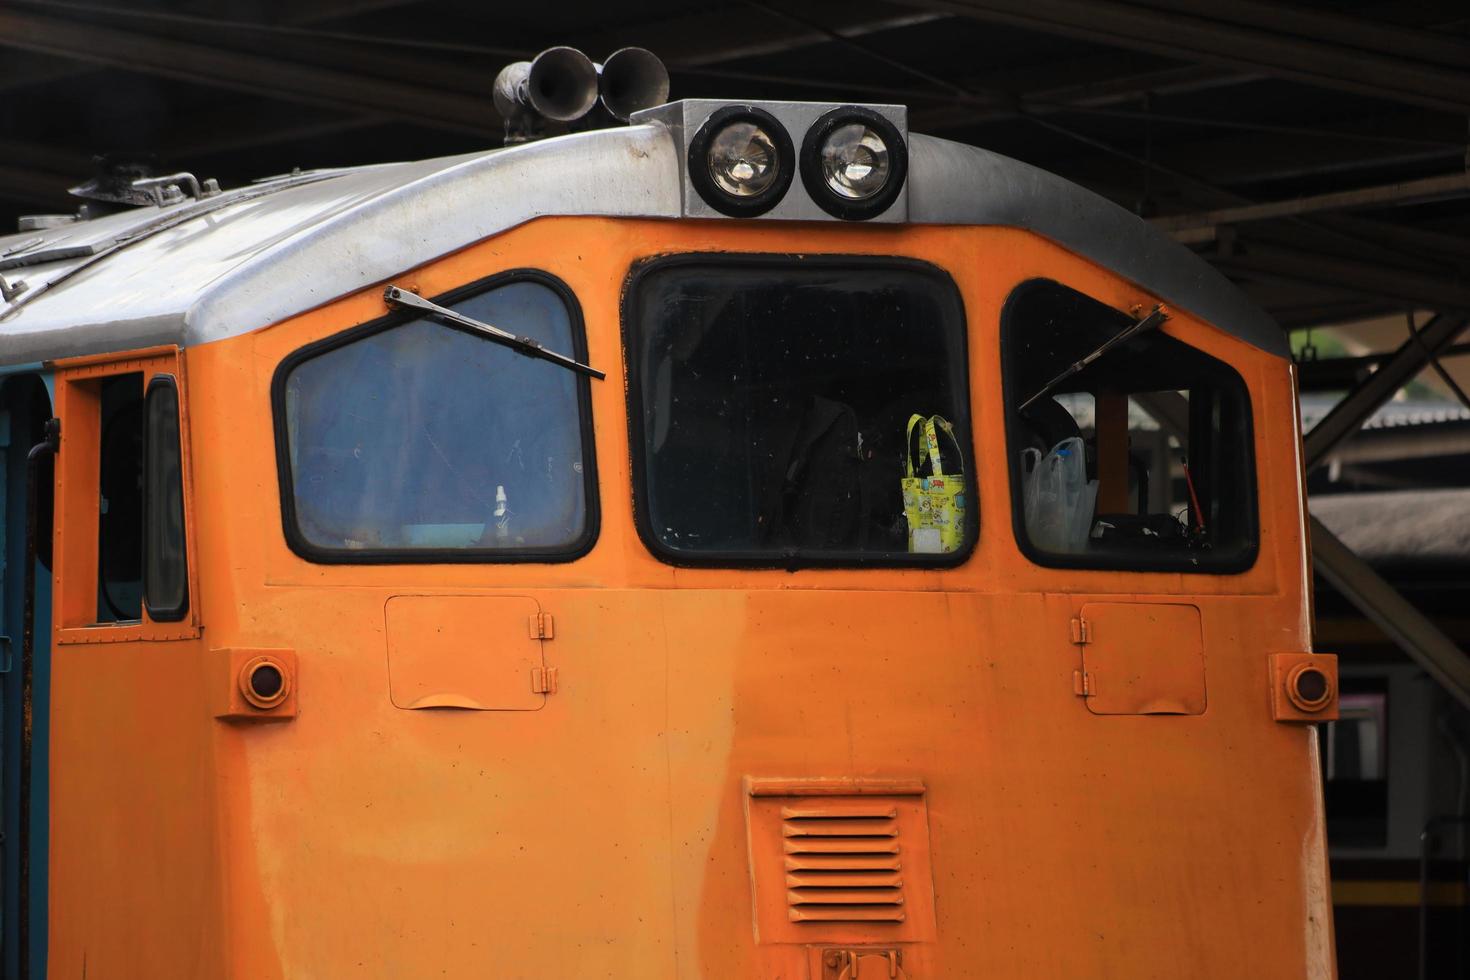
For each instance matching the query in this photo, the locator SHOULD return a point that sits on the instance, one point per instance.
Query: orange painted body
(604, 830)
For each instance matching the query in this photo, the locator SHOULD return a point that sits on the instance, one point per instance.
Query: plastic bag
(1057, 497)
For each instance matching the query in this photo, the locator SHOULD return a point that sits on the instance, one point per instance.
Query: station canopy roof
(1347, 118)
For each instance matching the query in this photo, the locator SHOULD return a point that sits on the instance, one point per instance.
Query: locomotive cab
(754, 541)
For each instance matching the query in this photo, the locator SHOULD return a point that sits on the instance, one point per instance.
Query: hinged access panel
(1140, 658)
(473, 653)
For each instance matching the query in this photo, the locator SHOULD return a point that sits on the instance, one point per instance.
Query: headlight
(741, 161)
(853, 163)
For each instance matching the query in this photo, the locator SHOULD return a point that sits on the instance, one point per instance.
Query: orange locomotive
(755, 541)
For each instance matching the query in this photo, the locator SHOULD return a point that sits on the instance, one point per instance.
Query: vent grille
(840, 859)
(842, 862)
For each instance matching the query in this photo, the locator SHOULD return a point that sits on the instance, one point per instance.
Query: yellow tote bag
(934, 505)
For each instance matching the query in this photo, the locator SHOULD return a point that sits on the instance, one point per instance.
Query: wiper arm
(530, 347)
(1158, 316)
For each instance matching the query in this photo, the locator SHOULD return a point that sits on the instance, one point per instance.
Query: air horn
(563, 85)
(632, 79)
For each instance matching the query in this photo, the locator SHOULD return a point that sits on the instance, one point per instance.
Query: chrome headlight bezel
(814, 179)
(699, 170)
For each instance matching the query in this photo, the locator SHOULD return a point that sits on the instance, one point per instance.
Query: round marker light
(1308, 687)
(264, 682)
(741, 161)
(853, 163)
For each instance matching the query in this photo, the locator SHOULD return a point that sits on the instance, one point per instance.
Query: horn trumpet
(560, 84)
(632, 79)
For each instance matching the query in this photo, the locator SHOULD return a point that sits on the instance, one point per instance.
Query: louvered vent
(842, 862)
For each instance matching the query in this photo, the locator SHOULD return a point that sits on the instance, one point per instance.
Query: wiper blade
(529, 346)
(1158, 316)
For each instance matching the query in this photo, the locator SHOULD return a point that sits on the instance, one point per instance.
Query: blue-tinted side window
(421, 439)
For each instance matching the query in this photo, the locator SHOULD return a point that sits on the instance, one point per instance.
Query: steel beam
(1348, 415)
(707, 38)
(1422, 41)
(1425, 441)
(317, 11)
(204, 64)
(1382, 605)
(1338, 146)
(1408, 288)
(17, 72)
(1403, 192)
(1051, 89)
(1366, 57)
(1337, 373)
(1294, 312)
(22, 69)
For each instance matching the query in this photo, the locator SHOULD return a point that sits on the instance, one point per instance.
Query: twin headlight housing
(740, 160)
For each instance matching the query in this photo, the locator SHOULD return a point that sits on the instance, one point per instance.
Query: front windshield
(785, 406)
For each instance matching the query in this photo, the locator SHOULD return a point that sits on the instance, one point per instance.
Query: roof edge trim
(440, 213)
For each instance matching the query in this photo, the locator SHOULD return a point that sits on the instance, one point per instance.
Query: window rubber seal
(789, 561)
(1241, 558)
(164, 614)
(442, 556)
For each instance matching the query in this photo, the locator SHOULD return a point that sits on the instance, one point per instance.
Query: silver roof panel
(251, 263)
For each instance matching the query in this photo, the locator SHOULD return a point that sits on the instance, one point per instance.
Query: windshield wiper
(403, 299)
(1144, 325)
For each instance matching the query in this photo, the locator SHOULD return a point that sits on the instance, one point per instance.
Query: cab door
(131, 817)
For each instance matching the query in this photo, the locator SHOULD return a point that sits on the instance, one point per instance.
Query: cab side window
(1141, 459)
(120, 524)
(406, 440)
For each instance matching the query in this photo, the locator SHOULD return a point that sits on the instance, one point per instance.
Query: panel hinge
(1083, 684)
(1081, 631)
(542, 626)
(543, 680)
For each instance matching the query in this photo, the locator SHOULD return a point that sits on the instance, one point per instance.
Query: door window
(122, 554)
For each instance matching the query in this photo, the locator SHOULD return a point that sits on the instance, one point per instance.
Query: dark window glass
(120, 501)
(1142, 460)
(771, 400)
(165, 565)
(419, 441)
